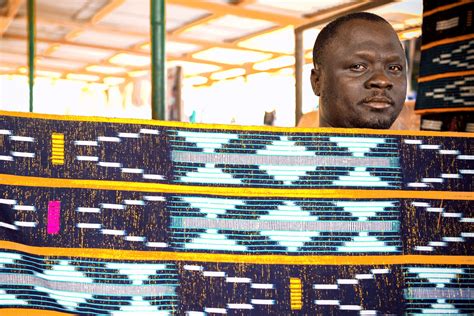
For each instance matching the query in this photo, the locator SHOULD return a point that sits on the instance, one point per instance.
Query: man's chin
(377, 123)
(375, 119)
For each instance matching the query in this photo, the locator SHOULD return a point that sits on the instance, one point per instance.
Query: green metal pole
(157, 59)
(31, 49)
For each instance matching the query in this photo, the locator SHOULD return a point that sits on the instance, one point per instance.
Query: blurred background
(227, 61)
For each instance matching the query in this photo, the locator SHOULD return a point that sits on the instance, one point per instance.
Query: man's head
(359, 72)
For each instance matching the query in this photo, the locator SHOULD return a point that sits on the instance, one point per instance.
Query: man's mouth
(377, 102)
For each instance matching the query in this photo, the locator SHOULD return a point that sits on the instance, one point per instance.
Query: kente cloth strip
(110, 216)
(446, 79)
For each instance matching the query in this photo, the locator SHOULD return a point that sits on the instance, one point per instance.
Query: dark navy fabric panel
(458, 18)
(148, 151)
(458, 56)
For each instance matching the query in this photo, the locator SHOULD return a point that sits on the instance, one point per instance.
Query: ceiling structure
(108, 41)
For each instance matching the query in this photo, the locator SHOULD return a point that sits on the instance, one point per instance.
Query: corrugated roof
(227, 28)
(297, 8)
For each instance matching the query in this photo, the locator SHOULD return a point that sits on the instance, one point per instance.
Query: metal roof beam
(86, 25)
(103, 12)
(240, 11)
(174, 35)
(319, 18)
(60, 70)
(82, 45)
(116, 49)
(5, 21)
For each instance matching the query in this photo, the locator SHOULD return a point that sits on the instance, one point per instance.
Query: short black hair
(330, 30)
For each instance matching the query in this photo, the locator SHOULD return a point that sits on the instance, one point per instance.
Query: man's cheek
(352, 95)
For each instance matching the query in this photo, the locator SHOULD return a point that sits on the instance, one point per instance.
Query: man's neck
(323, 122)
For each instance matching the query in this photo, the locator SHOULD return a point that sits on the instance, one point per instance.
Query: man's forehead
(369, 46)
(366, 25)
(360, 35)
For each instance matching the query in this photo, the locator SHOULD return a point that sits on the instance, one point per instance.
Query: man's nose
(379, 80)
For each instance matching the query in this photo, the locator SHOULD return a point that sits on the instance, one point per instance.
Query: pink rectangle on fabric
(54, 216)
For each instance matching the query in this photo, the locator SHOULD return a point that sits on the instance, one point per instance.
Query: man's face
(362, 82)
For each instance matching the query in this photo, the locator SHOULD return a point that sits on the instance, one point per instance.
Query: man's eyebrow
(371, 55)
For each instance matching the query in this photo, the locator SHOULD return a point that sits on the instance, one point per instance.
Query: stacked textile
(105, 216)
(446, 83)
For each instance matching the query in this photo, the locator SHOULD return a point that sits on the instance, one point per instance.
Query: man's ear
(315, 80)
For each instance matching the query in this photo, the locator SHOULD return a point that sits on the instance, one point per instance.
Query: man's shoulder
(310, 119)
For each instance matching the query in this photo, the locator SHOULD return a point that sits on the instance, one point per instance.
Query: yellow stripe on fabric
(296, 294)
(233, 258)
(445, 7)
(355, 131)
(29, 312)
(447, 41)
(446, 75)
(7, 179)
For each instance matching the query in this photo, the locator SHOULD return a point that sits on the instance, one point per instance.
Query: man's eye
(358, 67)
(396, 68)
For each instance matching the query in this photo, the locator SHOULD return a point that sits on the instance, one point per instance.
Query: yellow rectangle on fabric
(296, 294)
(57, 149)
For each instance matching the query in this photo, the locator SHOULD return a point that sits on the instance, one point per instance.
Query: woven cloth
(108, 216)
(446, 80)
